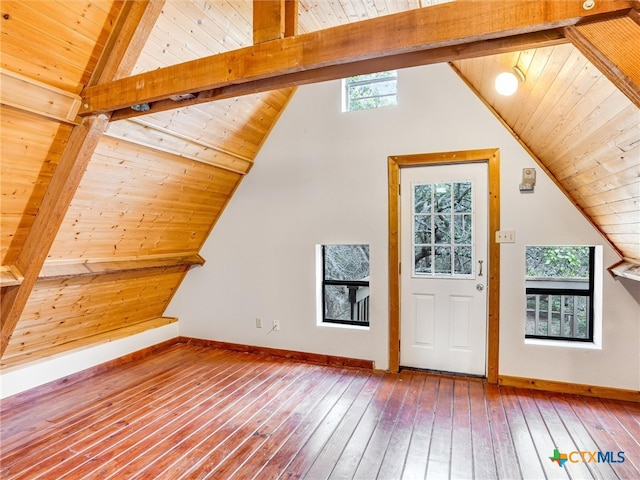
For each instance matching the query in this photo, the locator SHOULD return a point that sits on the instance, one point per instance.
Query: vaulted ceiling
(104, 213)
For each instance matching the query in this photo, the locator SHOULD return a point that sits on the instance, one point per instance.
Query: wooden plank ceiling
(155, 184)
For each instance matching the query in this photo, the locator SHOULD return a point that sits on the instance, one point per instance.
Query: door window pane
(443, 229)
(462, 197)
(422, 229)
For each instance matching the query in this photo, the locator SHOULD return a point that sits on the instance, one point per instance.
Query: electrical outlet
(258, 322)
(505, 236)
(276, 325)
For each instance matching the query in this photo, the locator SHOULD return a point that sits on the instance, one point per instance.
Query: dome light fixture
(507, 82)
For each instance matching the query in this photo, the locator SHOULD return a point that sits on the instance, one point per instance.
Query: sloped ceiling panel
(581, 128)
(32, 144)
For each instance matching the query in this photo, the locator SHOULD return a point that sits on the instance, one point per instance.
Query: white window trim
(320, 298)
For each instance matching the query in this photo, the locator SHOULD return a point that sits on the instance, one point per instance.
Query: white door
(444, 267)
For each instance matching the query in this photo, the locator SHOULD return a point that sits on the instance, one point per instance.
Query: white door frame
(492, 158)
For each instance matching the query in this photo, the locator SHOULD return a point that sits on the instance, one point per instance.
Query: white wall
(31, 375)
(321, 177)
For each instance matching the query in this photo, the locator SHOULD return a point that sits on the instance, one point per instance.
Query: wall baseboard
(276, 352)
(331, 360)
(68, 380)
(571, 388)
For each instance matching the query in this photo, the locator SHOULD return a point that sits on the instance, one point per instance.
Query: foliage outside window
(375, 90)
(442, 229)
(345, 284)
(560, 292)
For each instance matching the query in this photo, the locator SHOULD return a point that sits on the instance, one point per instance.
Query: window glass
(370, 91)
(559, 292)
(345, 286)
(443, 229)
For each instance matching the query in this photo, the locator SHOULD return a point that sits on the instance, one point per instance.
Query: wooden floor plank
(415, 466)
(374, 453)
(216, 416)
(544, 444)
(627, 413)
(579, 434)
(255, 459)
(351, 456)
(328, 457)
(106, 455)
(288, 457)
(560, 435)
(395, 457)
(609, 435)
(217, 456)
(506, 458)
(439, 463)
(525, 448)
(461, 445)
(201, 412)
(19, 419)
(123, 409)
(484, 463)
(315, 443)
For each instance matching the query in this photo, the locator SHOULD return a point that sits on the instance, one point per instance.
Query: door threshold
(443, 372)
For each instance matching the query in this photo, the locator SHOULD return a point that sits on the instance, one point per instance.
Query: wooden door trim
(395, 163)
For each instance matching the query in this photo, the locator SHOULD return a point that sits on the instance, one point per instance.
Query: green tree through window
(559, 292)
(370, 91)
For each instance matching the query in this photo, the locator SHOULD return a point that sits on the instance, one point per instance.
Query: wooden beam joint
(278, 63)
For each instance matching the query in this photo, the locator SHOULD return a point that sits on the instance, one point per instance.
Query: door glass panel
(442, 197)
(423, 263)
(443, 229)
(462, 260)
(422, 199)
(422, 229)
(462, 229)
(462, 197)
(442, 262)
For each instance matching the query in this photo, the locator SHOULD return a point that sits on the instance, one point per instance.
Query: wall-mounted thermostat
(528, 180)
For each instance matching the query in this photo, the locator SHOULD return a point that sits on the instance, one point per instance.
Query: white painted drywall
(34, 374)
(321, 177)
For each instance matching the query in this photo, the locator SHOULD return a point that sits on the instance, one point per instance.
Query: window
(370, 91)
(442, 229)
(560, 292)
(345, 284)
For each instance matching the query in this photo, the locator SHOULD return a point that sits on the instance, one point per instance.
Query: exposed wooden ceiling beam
(450, 25)
(55, 203)
(37, 97)
(73, 162)
(437, 55)
(291, 17)
(268, 20)
(58, 271)
(612, 45)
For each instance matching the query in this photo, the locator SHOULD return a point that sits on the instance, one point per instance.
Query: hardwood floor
(193, 412)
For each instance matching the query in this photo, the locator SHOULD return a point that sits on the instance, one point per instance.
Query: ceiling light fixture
(507, 82)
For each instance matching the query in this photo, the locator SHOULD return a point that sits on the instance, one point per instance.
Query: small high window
(560, 292)
(370, 91)
(345, 284)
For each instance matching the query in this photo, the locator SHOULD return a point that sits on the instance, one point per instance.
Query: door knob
(480, 287)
